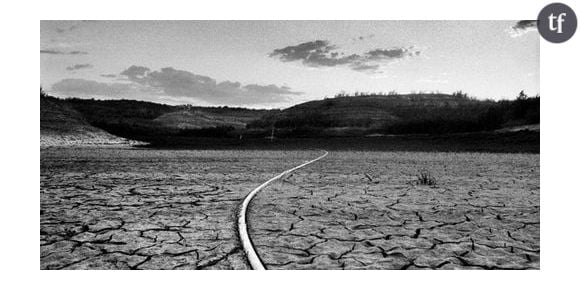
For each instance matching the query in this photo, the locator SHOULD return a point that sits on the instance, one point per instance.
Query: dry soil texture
(153, 209)
(362, 210)
(148, 209)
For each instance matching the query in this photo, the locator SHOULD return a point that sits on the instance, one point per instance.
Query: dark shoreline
(491, 142)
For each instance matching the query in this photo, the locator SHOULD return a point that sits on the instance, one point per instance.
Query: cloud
(321, 53)
(79, 66)
(171, 82)
(304, 51)
(363, 37)
(59, 52)
(81, 87)
(72, 27)
(365, 67)
(135, 73)
(525, 24)
(522, 27)
(77, 52)
(49, 51)
(390, 53)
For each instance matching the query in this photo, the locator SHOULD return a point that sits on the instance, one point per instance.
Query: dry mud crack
(337, 215)
(147, 209)
(141, 209)
(245, 240)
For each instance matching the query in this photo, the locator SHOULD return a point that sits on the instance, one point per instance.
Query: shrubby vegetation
(393, 113)
(344, 115)
(136, 119)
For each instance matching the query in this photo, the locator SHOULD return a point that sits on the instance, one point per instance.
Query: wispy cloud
(82, 87)
(522, 27)
(525, 24)
(79, 66)
(60, 52)
(321, 53)
(171, 82)
(72, 26)
(363, 37)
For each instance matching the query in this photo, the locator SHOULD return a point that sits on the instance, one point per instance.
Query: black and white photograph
(289, 145)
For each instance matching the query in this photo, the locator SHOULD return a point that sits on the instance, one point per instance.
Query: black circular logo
(557, 22)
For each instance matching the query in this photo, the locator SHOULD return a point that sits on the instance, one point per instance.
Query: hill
(61, 125)
(148, 121)
(199, 118)
(400, 114)
(450, 119)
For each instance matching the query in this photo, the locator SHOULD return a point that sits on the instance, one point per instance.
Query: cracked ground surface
(148, 209)
(362, 210)
(157, 209)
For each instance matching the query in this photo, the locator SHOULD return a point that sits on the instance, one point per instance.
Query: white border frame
(21, 165)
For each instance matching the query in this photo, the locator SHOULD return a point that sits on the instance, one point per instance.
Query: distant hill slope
(402, 114)
(139, 117)
(198, 118)
(61, 125)
(343, 116)
(375, 110)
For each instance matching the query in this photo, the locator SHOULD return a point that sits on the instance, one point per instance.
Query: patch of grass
(426, 178)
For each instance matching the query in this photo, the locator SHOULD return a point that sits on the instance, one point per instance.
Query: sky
(277, 64)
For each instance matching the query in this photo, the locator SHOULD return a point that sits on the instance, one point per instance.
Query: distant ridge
(376, 110)
(61, 125)
(197, 118)
(90, 121)
(401, 114)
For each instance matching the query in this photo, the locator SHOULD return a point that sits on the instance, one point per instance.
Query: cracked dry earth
(361, 210)
(154, 209)
(106, 208)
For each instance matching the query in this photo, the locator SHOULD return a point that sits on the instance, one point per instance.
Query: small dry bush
(426, 178)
